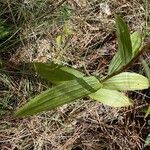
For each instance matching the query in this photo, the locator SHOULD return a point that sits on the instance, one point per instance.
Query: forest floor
(32, 29)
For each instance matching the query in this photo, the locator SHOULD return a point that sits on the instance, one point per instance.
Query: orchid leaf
(59, 95)
(127, 81)
(111, 98)
(56, 73)
(116, 62)
(124, 42)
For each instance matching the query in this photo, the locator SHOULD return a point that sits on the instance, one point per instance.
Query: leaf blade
(116, 62)
(136, 42)
(124, 42)
(127, 81)
(56, 73)
(61, 94)
(111, 98)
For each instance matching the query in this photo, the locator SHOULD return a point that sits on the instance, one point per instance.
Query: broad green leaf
(116, 62)
(146, 69)
(111, 98)
(136, 42)
(147, 112)
(124, 42)
(56, 73)
(59, 95)
(127, 81)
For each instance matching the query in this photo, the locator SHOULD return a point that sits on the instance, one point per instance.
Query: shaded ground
(89, 45)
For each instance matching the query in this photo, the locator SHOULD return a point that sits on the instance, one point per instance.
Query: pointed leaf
(116, 62)
(56, 73)
(111, 98)
(59, 95)
(124, 42)
(127, 81)
(136, 41)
